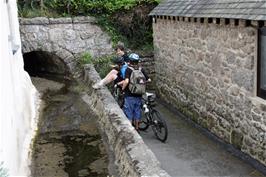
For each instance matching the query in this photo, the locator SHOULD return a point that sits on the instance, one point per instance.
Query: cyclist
(116, 72)
(132, 100)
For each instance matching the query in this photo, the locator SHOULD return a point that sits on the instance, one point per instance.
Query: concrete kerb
(132, 156)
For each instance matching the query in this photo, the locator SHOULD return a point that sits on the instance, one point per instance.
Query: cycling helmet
(118, 60)
(133, 57)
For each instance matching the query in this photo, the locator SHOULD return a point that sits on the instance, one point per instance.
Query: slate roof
(236, 9)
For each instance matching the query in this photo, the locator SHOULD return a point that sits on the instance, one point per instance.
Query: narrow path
(188, 152)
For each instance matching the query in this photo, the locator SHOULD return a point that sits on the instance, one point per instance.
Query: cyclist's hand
(120, 83)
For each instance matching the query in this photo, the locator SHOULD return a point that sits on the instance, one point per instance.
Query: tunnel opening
(45, 64)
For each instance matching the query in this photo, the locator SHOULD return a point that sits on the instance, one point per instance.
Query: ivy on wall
(117, 17)
(81, 7)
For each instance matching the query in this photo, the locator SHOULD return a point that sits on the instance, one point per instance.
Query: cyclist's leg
(127, 108)
(137, 111)
(111, 76)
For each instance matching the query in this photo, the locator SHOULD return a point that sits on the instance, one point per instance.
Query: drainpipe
(12, 14)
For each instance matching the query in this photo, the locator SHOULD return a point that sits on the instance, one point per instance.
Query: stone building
(210, 63)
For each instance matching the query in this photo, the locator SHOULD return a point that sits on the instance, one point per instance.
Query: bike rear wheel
(144, 122)
(159, 126)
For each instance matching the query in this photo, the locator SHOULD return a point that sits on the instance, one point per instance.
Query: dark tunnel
(44, 64)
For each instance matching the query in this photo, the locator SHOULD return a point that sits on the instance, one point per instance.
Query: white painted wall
(18, 97)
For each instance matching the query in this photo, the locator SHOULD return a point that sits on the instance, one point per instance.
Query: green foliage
(109, 27)
(102, 65)
(79, 7)
(3, 171)
(92, 7)
(135, 34)
(86, 58)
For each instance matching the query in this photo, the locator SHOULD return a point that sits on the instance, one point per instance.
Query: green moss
(237, 139)
(210, 122)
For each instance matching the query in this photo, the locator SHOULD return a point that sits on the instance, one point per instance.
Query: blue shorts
(132, 108)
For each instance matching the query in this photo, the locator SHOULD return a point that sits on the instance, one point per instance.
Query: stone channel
(68, 142)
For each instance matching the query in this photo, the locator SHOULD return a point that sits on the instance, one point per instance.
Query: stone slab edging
(132, 156)
(51, 21)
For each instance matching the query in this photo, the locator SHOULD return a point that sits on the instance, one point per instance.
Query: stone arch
(42, 63)
(67, 38)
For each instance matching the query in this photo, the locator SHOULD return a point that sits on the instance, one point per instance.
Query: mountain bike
(152, 118)
(118, 95)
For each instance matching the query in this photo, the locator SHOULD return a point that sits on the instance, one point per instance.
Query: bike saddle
(148, 94)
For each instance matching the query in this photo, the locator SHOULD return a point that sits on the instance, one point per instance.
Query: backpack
(137, 82)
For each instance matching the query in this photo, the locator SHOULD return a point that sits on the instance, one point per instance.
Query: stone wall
(68, 38)
(132, 156)
(147, 62)
(208, 71)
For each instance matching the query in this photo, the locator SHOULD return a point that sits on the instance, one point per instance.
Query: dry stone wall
(209, 72)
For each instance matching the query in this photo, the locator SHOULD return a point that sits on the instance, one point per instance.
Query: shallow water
(68, 142)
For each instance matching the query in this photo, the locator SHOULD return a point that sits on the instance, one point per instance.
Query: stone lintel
(47, 21)
(60, 20)
(84, 19)
(34, 21)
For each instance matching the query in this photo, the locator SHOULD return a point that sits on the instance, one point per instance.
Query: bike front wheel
(159, 126)
(117, 94)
